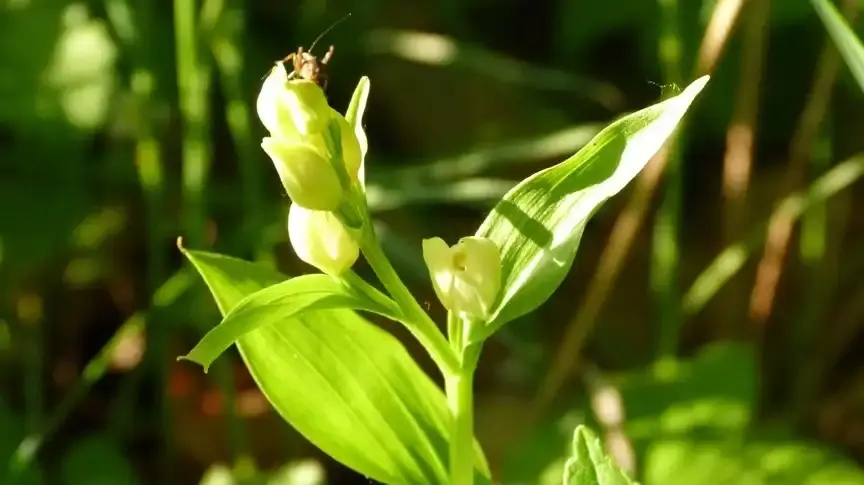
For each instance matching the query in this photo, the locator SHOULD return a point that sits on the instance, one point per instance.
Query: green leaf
(766, 456)
(844, 38)
(539, 223)
(589, 464)
(349, 387)
(276, 304)
(354, 116)
(711, 394)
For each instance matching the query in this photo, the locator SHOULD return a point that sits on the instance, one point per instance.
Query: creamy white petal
(306, 175)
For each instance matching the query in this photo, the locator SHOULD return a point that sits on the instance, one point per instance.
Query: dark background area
(109, 109)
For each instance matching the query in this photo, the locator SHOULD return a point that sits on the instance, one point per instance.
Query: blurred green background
(710, 329)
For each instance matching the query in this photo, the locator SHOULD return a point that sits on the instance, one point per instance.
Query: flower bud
(467, 276)
(306, 175)
(289, 109)
(297, 115)
(320, 239)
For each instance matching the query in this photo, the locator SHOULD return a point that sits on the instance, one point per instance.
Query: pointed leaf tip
(186, 358)
(539, 223)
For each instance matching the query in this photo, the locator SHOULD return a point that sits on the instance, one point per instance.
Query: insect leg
(327, 56)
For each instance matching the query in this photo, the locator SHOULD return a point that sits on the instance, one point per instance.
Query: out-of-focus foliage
(590, 465)
(124, 125)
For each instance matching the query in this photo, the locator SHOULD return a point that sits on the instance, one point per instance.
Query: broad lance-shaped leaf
(590, 465)
(346, 385)
(276, 304)
(539, 223)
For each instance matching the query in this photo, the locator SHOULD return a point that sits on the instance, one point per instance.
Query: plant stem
(418, 322)
(460, 399)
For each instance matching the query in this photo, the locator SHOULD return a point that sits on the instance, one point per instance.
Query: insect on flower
(307, 66)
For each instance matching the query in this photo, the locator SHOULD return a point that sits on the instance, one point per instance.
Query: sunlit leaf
(589, 464)
(767, 456)
(349, 387)
(713, 393)
(538, 225)
(276, 304)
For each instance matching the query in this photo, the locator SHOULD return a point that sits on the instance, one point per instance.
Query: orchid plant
(349, 386)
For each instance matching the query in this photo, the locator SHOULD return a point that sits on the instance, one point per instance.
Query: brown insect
(307, 66)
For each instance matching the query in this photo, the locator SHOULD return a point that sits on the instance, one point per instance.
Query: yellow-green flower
(320, 240)
(467, 276)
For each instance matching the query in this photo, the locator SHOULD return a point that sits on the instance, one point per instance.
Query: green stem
(460, 399)
(454, 331)
(418, 322)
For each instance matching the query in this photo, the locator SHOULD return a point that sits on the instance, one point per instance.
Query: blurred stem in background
(769, 271)
(29, 310)
(740, 143)
(666, 234)
(741, 134)
(820, 275)
(224, 41)
(627, 224)
(151, 177)
(193, 83)
(731, 260)
(193, 86)
(823, 229)
(96, 368)
(222, 27)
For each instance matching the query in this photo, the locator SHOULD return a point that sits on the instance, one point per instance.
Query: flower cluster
(466, 277)
(297, 115)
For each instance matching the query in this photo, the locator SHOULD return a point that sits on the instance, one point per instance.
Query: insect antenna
(328, 29)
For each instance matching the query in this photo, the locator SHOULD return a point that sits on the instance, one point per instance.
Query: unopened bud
(305, 173)
(289, 109)
(297, 115)
(320, 239)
